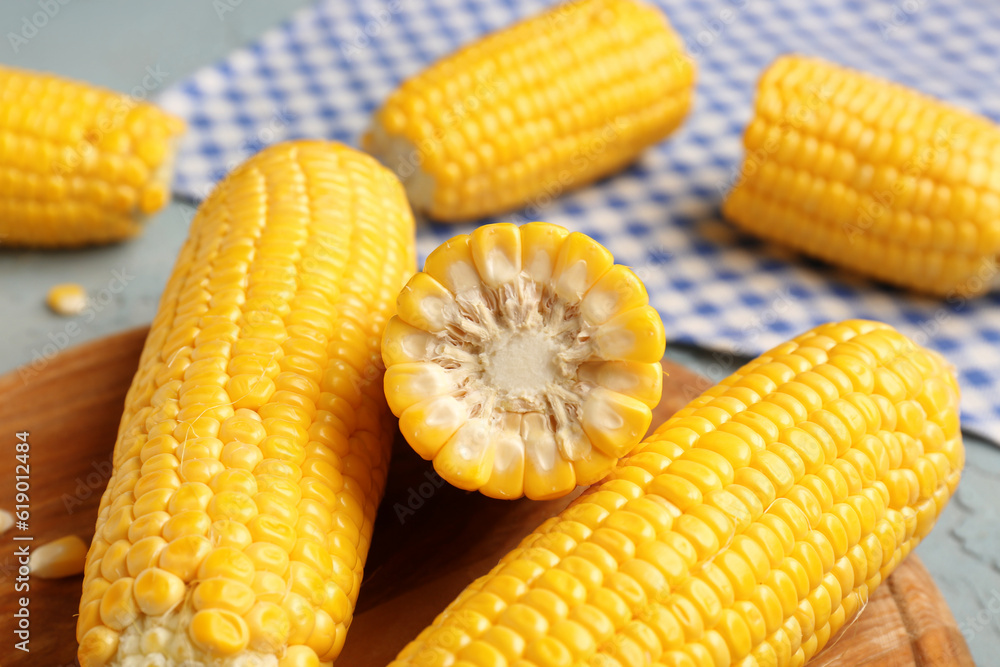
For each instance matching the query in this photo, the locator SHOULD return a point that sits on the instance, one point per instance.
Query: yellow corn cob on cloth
(255, 441)
(523, 360)
(78, 164)
(872, 176)
(549, 104)
(747, 530)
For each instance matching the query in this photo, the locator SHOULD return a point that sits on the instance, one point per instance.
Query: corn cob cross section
(549, 104)
(872, 176)
(747, 530)
(255, 441)
(523, 360)
(78, 164)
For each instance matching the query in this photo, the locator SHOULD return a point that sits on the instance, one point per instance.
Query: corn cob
(549, 104)
(747, 530)
(255, 441)
(78, 164)
(523, 361)
(872, 176)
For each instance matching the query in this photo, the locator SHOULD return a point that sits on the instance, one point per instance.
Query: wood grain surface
(430, 538)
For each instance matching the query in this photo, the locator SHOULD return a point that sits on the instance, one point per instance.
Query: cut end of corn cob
(523, 361)
(748, 530)
(67, 299)
(60, 558)
(255, 442)
(872, 176)
(549, 104)
(79, 165)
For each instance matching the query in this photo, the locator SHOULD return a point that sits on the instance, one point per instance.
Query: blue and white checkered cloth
(323, 72)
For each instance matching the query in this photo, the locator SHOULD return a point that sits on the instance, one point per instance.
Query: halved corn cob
(78, 164)
(551, 103)
(748, 530)
(873, 176)
(523, 361)
(255, 441)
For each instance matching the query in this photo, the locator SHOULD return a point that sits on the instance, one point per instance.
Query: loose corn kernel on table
(136, 47)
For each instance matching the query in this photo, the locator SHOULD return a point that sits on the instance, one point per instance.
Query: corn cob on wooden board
(432, 539)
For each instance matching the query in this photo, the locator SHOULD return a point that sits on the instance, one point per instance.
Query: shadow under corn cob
(747, 530)
(546, 105)
(79, 164)
(872, 176)
(255, 441)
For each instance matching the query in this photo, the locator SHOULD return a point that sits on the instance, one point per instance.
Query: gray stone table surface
(112, 42)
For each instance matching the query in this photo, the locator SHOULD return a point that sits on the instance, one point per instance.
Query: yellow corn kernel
(549, 104)
(67, 299)
(523, 361)
(60, 558)
(873, 176)
(98, 646)
(6, 521)
(299, 656)
(79, 164)
(218, 632)
(157, 591)
(268, 625)
(724, 556)
(247, 474)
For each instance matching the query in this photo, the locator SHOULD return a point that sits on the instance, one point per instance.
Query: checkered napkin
(323, 72)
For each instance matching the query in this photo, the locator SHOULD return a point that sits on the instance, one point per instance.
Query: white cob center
(517, 349)
(521, 364)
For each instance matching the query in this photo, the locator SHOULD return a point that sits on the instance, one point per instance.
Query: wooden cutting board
(430, 538)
